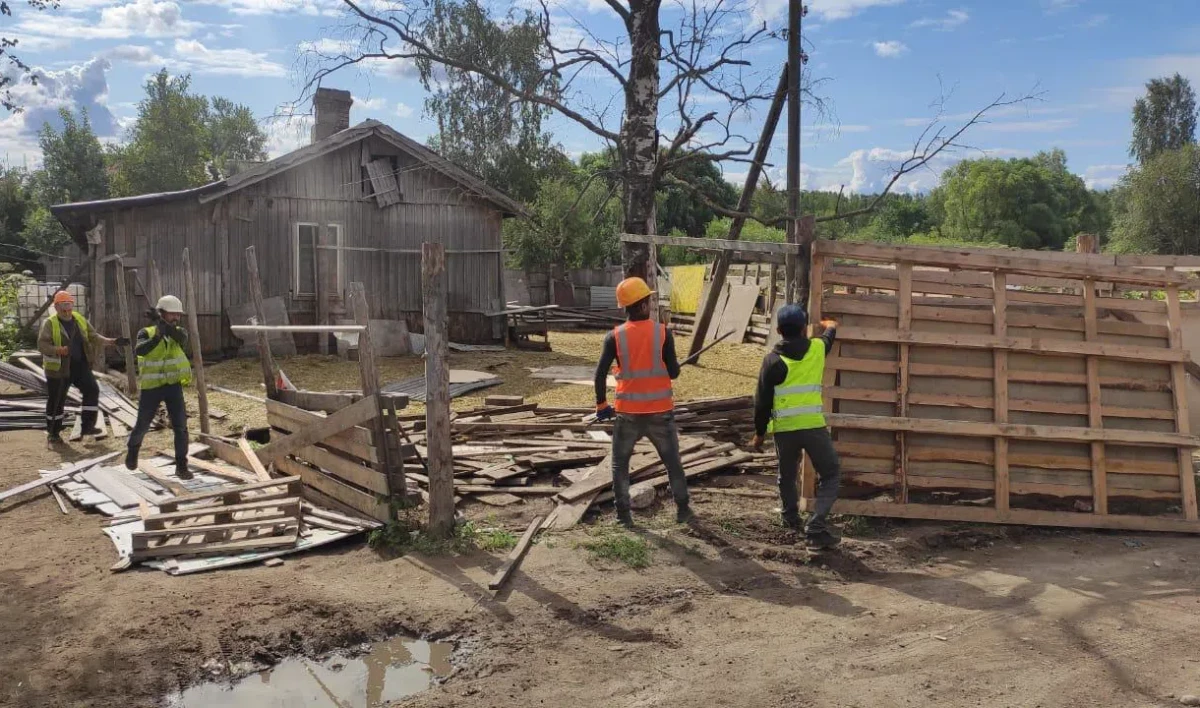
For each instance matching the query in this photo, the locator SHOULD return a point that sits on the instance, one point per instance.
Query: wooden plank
(126, 330)
(1187, 477)
(264, 346)
(345, 470)
(161, 479)
(353, 441)
(1014, 344)
(218, 548)
(287, 484)
(73, 469)
(193, 307)
(598, 483)
(437, 385)
(1010, 430)
(348, 417)
(185, 531)
(1014, 375)
(361, 502)
(904, 324)
(1021, 262)
(256, 465)
(515, 556)
(1015, 516)
(101, 479)
(1095, 408)
(271, 508)
(735, 317)
(326, 401)
(712, 244)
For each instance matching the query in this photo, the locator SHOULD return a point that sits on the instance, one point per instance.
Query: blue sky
(885, 62)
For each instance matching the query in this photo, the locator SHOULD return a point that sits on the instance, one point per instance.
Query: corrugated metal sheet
(603, 298)
(414, 388)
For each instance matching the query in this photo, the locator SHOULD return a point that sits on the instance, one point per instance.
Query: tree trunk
(639, 132)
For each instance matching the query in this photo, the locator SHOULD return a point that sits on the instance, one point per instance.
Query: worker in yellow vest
(645, 355)
(788, 404)
(163, 371)
(64, 341)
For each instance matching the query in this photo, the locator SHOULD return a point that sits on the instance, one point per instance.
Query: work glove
(829, 324)
(604, 412)
(122, 341)
(152, 314)
(756, 443)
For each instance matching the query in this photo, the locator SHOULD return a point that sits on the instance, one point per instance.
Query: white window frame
(296, 256)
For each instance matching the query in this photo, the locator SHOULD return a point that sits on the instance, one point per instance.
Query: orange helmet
(631, 291)
(63, 296)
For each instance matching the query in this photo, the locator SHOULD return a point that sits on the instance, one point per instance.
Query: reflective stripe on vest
(797, 402)
(643, 384)
(166, 364)
(54, 363)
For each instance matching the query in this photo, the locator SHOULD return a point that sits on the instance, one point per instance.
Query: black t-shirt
(75, 342)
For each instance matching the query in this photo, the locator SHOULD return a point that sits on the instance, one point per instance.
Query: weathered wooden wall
(381, 245)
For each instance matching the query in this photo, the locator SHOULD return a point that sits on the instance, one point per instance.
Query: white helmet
(170, 303)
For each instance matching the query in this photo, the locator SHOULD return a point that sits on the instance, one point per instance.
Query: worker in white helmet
(163, 371)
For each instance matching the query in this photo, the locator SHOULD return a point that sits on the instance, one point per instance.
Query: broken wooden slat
(515, 556)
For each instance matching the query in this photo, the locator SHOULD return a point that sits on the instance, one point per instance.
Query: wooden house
(355, 205)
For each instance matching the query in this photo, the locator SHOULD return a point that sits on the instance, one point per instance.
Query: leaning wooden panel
(980, 373)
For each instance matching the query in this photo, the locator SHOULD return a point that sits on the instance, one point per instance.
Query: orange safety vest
(643, 384)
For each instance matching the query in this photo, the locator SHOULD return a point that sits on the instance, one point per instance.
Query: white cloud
(327, 8)
(1146, 68)
(890, 49)
(1103, 176)
(193, 56)
(952, 20)
(137, 55)
(823, 10)
(869, 170)
(83, 86)
(141, 18)
(392, 68)
(370, 104)
(404, 110)
(328, 46)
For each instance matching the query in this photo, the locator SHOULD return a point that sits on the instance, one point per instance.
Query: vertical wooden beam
(437, 386)
(156, 286)
(191, 305)
(264, 344)
(1095, 412)
(651, 280)
(131, 386)
(795, 54)
(1000, 391)
(806, 233)
(772, 293)
(1187, 477)
(721, 266)
(808, 475)
(904, 324)
(221, 216)
(369, 374)
(326, 262)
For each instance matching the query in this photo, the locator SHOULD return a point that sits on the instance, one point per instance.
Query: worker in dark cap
(788, 404)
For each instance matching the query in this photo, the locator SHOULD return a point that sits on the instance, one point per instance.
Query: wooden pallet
(952, 379)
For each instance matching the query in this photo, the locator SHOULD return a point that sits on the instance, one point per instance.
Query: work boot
(684, 514)
(92, 431)
(792, 523)
(822, 540)
(53, 439)
(131, 459)
(182, 472)
(625, 518)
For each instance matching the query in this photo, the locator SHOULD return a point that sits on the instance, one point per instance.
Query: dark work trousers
(56, 399)
(148, 403)
(628, 429)
(819, 446)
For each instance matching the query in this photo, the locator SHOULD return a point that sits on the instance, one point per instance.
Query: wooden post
(1095, 411)
(1187, 477)
(808, 474)
(369, 373)
(326, 262)
(806, 229)
(1000, 392)
(437, 397)
(721, 266)
(264, 344)
(191, 305)
(904, 325)
(126, 331)
(771, 291)
(795, 54)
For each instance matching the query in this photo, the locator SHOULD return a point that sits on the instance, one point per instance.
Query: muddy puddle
(390, 670)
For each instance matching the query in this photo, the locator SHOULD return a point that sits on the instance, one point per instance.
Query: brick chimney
(332, 112)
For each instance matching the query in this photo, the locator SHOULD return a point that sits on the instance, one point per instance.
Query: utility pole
(794, 263)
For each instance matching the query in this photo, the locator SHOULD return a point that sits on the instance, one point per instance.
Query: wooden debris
(515, 556)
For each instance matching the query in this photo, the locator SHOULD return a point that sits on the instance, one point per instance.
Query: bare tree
(683, 85)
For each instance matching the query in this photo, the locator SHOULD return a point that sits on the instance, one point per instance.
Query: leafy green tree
(678, 209)
(73, 168)
(1163, 119)
(1160, 206)
(574, 223)
(181, 140)
(41, 230)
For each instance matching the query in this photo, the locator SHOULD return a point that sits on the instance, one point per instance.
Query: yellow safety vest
(54, 363)
(166, 364)
(797, 404)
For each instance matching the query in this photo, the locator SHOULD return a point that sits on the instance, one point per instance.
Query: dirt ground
(729, 612)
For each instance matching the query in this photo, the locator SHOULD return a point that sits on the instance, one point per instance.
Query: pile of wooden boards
(116, 410)
(1003, 386)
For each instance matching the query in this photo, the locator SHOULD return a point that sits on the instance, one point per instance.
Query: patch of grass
(491, 540)
(632, 551)
(407, 535)
(730, 526)
(860, 525)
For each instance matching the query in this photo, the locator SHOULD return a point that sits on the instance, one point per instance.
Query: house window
(307, 247)
(306, 259)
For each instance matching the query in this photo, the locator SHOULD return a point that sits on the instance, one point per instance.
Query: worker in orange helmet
(643, 407)
(64, 341)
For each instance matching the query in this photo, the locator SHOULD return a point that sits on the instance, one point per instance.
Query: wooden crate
(1006, 379)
